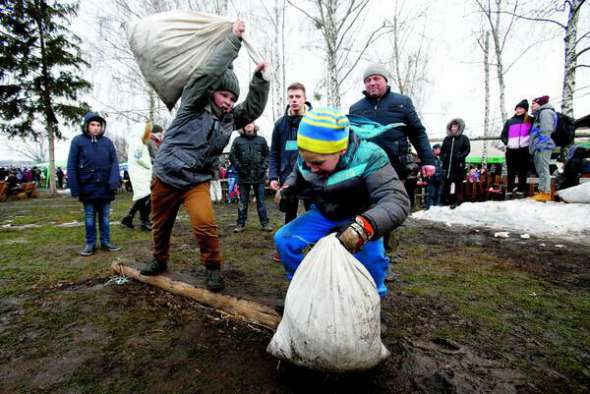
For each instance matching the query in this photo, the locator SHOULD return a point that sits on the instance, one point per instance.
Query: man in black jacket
(249, 154)
(382, 105)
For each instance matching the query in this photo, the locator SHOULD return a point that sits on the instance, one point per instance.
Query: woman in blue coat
(93, 177)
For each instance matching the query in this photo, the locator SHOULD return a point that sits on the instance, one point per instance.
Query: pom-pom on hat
(323, 131)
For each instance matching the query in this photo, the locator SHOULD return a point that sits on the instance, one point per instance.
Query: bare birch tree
(409, 55)
(35, 150)
(484, 43)
(340, 23)
(576, 43)
(500, 32)
(275, 16)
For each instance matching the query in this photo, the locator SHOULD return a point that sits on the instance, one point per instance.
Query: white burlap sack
(578, 194)
(170, 46)
(331, 321)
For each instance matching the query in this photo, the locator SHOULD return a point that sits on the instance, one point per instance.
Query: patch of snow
(502, 234)
(525, 236)
(520, 216)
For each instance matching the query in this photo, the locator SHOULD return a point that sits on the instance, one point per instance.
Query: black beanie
(523, 104)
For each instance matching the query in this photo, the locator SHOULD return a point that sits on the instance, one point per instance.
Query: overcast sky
(455, 87)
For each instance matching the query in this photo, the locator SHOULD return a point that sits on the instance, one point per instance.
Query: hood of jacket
(89, 117)
(545, 106)
(307, 105)
(461, 123)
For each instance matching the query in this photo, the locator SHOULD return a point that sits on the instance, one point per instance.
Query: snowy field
(568, 221)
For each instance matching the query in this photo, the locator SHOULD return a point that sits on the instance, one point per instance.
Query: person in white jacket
(140, 172)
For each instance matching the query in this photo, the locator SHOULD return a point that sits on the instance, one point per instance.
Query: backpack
(565, 130)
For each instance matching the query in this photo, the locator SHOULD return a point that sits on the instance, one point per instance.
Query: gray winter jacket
(363, 183)
(195, 139)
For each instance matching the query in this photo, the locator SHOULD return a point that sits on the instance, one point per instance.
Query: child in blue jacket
(354, 191)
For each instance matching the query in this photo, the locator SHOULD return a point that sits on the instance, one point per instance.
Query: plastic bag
(331, 321)
(579, 193)
(170, 46)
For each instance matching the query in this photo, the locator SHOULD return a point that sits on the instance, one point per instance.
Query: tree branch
(579, 53)
(370, 40)
(313, 18)
(535, 19)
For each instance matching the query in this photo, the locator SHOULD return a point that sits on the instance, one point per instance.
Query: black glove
(288, 199)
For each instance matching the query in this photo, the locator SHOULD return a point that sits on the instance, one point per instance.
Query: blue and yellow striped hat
(324, 131)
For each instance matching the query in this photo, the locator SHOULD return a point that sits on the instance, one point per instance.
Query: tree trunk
(45, 94)
(486, 116)
(499, 62)
(569, 72)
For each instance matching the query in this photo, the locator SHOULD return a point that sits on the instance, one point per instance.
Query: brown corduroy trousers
(166, 202)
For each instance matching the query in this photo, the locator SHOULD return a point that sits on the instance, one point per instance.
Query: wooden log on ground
(238, 308)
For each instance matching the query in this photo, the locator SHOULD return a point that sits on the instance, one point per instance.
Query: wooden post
(235, 307)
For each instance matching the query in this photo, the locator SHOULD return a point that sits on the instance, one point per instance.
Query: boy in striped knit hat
(354, 192)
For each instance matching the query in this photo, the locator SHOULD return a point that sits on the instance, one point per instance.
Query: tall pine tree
(40, 62)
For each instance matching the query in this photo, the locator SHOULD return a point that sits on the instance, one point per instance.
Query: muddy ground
(466, 313)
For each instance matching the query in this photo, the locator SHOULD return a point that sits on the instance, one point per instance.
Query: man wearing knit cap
(542, 145)
(354, 192)
(189, 153)
(382, 105)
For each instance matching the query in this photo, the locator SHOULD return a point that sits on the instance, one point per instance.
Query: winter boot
(542, 197)
(215, 281)
(146, 226)
(88, 250)
(239, 228)
(109, 247)
(154, 267)
(266, 227)
(127, 221)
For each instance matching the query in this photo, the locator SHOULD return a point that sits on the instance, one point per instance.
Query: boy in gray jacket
(189, 153)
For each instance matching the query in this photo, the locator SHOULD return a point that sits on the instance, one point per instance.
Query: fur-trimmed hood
(461, 124)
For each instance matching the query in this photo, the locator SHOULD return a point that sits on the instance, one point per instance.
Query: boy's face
(94, 128)
(296, 98)
(436, 151)
(224, 99)
(250, 129)
(321, 164)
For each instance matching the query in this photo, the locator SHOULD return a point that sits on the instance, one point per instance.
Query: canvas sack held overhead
(169, 48)
(331, 321)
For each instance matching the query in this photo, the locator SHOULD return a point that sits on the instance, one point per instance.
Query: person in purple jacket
(515, 135)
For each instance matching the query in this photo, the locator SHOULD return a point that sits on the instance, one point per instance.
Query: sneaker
(109, 247)
(146, 226)
(542, 197)
(154, 267)
(239, 228)
(266, 227)
(215, 281)
(88, 250)
(127, 221)
(519, 195)
(276, 258)
(508, 196)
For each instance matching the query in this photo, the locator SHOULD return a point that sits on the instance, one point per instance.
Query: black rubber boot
(127, 221)
(154, 267)
(88, 250)
(215, 281)
(109, 247)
